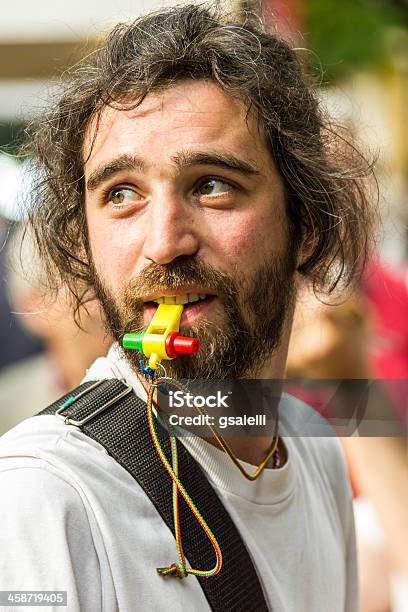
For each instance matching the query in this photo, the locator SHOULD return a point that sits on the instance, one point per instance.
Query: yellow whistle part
(165, 320)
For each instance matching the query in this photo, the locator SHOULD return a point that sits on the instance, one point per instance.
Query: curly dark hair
(324, 175)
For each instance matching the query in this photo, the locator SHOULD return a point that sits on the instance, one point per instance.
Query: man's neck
(253, 449)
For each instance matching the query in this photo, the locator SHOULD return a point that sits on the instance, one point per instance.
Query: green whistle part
(134, 341)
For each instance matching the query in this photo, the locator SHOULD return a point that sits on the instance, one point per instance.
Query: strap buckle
(71, 399)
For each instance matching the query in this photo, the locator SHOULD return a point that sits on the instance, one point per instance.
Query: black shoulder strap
(110, 412)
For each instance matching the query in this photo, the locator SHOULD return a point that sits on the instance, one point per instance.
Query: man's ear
(307, 247)
(301, 226)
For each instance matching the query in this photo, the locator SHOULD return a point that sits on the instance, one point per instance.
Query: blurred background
(358, 53)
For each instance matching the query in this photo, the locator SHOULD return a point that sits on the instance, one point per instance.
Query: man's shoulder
(47, 436)
(33, 478)
(40, 433)
(44, 443)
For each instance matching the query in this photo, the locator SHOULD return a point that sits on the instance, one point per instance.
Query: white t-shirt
(72, 519)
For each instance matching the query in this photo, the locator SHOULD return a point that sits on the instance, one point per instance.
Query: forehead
(189, 115)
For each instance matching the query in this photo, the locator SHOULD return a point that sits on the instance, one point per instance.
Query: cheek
(248, 238)
(113, 249)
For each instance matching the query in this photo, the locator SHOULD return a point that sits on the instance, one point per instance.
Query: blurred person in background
(69, 350)
(361, 338)
(15, 342)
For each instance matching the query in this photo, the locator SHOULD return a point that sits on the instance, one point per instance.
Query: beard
(253, 313)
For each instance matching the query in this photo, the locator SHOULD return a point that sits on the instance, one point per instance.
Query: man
(188, 159)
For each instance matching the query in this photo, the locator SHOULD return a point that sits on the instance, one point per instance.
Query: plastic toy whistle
(161, 340)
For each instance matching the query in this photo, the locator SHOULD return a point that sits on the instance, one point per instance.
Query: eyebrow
(105, 171)
(186, 159)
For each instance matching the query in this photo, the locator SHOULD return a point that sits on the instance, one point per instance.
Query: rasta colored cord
(179, 568)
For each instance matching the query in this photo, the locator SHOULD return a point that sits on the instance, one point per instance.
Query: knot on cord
(175, 569)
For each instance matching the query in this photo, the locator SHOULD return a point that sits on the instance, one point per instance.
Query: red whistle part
(180, 345)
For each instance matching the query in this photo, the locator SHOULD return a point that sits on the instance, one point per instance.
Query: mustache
(182, 272)
(155, 278)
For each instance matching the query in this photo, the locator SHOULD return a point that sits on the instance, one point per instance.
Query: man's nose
(171, 230)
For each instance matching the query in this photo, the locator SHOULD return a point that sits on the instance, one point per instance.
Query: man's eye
(213, 187)
(121, 196)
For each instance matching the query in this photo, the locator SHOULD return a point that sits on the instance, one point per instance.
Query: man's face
(183, 199)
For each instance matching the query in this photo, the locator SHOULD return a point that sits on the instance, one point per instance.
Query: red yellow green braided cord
(179, 568)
